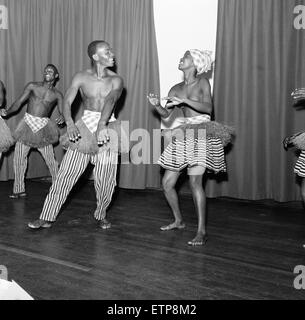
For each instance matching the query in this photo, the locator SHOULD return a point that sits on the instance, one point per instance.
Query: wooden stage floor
(252, 250)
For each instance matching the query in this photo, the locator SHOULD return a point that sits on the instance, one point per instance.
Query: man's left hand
(102, 136)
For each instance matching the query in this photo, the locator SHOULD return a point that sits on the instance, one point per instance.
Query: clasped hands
(172, 101)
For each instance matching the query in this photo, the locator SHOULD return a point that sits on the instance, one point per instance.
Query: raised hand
(154, 99)
(287, 142)
(298, 94)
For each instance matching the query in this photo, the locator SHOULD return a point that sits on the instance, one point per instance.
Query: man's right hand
(73, 132)
(3, 113)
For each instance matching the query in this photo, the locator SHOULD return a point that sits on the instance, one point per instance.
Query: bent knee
(168, 184)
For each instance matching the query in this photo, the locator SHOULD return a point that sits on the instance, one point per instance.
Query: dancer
(36, 129)
(202, 150)
(6, 139)
(298, 140)
(92, 139)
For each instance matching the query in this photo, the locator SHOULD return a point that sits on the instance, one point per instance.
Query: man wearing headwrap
(6, 139)
(36, 130)
(202, 150)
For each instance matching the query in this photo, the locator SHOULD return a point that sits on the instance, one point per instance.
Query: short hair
(93, 46)
(53, 67)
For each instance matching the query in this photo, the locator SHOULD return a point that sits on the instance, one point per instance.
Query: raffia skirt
(44, 137)
(6, 139)
(118, 143)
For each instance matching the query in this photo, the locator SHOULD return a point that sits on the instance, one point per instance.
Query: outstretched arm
(59, 107)
(166, 111)
(72, 130)
(23, 98)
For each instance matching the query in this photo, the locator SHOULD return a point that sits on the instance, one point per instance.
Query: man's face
(49, 74)
(186, 61)
(104, 55)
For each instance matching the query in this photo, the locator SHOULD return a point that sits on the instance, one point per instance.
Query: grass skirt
(119, 141)
(212, 129)
(44, 137)
(6, 139)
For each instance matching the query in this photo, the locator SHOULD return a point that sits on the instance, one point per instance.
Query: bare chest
(43, 96)
(192, 92)
(96, 89)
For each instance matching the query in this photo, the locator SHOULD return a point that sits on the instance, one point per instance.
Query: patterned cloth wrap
(197, 141)
(87, 126)
(36, 132)
(6, 139)
(202, 60)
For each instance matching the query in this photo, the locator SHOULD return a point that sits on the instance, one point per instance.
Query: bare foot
(172, 226)
(199, 240)
(105, 224)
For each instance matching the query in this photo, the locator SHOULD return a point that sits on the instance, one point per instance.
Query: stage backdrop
(260, 59)
(57, 31)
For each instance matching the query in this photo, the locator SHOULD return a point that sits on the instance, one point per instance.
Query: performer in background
(94, 138)
(298, 140)
(195, 152)
(6, 139)
(36, 129)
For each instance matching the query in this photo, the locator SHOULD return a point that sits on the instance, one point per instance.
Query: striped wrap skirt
(197, 142)
(299, 168)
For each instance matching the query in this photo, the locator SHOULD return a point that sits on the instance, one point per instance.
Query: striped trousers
(21, 162)
(73, 165)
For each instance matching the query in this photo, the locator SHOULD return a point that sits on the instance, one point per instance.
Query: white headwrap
(202, 60)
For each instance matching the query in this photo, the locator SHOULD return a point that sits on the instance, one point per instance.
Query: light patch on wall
(182, 25)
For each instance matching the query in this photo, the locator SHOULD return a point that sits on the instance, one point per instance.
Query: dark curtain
(260, 59)
(59, 31)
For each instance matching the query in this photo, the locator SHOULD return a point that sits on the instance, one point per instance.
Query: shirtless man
(36, 130)
(88, 140)
(193, 96)
(6, 139)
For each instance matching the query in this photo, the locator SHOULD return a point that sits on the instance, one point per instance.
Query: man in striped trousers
(36, 130)
(92, 139)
